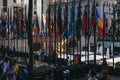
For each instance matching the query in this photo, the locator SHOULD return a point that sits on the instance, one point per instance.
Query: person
(104, 64)
(4, 66)
(26, 74)
(104, 73)
(41, 54)
(11, 72)
(76, 59)
(17, 70)
(92, 74)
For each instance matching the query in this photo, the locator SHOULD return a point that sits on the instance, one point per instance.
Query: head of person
(92, 73)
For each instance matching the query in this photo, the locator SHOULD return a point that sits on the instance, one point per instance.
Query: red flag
(42, 27)
(104, 23)
(92, 22)
(85, 29)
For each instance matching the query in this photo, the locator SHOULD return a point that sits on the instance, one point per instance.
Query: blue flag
(70, 31)
(78, 22)
(65, 25)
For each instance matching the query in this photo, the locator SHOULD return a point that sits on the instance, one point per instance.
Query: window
(96, 4)
(14, 1)
(4, 2)
(35, 12)
(35, 2)
(5, 5)
(5, 9)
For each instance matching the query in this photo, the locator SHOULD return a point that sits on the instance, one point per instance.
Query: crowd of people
(10, 70)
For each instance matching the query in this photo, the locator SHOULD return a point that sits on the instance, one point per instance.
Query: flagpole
(17, 37)
(67, 33)
(88, 27)
(55, 27)
(95, 34)
(49, 10)
(74, 28)
(25, 28)
(1, 27)
(42, 26)
(46, 30)
(8, 25)
(60, 29)
(30, 39)
(80, 31)
(103, 33)
(114, 17)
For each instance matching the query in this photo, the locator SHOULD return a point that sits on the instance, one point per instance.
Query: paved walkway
(109, 78)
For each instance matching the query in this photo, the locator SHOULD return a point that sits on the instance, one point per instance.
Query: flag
(16, 26)
(59, 26)
(84, 21)
(10, 19)
(70, 29)
(104, 23)
(92, 21)
(42, 25)
(99, 24)
(22, 26)
(52, 25)
(47, 23)
(113, 24)
(78, 22)
(6, 22)
(65, 24)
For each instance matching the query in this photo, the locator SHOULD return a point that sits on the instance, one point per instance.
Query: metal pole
(60, 29)
(74, 27)
(49, 16)
(67, 32)
(55, 26)
(103, 34)
(88, 27)
(30, 39)
(46, 29)
(80, 32)
(95, 34)
(8, 25)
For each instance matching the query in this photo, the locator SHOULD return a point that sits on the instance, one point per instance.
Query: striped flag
(99, 24)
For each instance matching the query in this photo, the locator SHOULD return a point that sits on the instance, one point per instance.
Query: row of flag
(66, 27)
(12, 25)
(69, 25)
